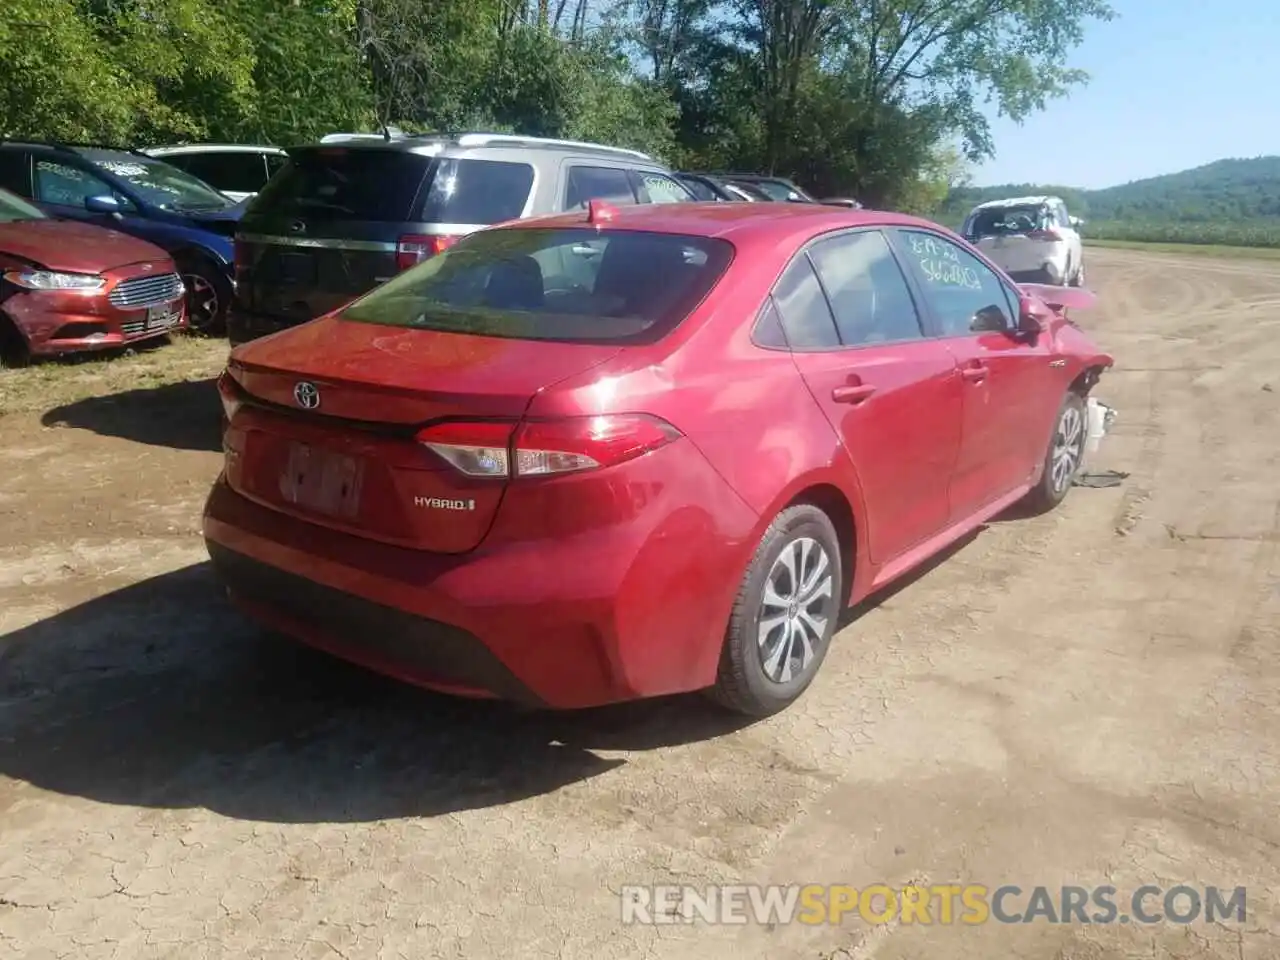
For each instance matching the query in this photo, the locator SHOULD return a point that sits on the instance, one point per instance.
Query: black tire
(1054, 487)
(744, 683)
(14, 351)
(208, 296)
(1077, 278)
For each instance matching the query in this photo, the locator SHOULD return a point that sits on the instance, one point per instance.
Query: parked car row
(334, 219)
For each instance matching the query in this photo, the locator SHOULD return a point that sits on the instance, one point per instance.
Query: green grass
(1196, 249)
(50, 383)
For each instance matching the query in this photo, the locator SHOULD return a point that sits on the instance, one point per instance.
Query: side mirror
(1032, 320)
(1076, 222)
(102, 204)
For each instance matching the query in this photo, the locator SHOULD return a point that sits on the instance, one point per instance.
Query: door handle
(975, 374)
(853, 393)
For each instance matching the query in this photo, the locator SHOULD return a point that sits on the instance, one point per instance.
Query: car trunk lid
(325, 418)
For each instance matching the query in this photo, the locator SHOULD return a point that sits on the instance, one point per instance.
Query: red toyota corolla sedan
(67, 287)
(630, 452)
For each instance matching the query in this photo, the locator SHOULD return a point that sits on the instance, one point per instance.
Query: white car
(1033, 239)
(239, 170)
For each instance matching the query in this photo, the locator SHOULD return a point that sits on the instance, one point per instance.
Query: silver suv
(347, 215)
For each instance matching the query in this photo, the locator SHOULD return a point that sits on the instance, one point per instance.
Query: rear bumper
(1047, 273)
(390, 641)
(634, 609)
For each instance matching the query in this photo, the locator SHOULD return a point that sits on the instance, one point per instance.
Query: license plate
(159, 318)
(322, 480)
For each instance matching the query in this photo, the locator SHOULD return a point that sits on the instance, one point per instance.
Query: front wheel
(1063, 459)
(784, 615)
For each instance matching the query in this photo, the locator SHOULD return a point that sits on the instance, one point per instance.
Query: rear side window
(342, 183)
(611, 184)
(866, 288)
(476, 191)
(806, 316)
(574, 285)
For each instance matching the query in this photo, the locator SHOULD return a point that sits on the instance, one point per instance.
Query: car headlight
(49, 280)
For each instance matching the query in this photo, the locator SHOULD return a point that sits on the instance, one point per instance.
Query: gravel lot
(1087, 697)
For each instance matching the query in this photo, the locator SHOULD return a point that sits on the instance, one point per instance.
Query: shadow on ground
(184, 416)
(161, 695)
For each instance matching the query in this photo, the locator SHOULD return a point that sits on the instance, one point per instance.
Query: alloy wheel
(1068, 447)
(796, 607)
(202, 302)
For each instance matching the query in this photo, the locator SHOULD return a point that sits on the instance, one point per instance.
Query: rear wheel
(1077, 278)
(784, 616)
(1063, 459)
(208, 295)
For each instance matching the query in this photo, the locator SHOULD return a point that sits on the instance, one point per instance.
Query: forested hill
(1218, 192)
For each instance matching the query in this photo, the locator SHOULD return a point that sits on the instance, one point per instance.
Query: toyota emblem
(307, 395)
(298, 226)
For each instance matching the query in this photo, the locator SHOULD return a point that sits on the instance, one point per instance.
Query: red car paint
(615, 583)
(66, 321)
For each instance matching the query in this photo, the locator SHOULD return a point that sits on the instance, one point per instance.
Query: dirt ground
(1087, 697)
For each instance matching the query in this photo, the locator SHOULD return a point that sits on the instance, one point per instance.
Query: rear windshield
(341, 183)
(344, 183)
(1005, 221)
(573, 285)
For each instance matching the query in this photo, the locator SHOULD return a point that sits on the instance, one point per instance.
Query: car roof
(1018, 202)
(203, 147)
(731, 221)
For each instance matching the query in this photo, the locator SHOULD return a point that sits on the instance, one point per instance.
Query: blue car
(137, 194)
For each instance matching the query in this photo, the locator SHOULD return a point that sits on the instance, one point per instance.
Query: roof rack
(486, 139)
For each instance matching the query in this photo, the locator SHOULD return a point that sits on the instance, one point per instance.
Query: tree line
(880, 99)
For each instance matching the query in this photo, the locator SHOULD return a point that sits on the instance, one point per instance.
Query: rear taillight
(546, 447)
(229, 393)
(413, 248)
(1051, 235)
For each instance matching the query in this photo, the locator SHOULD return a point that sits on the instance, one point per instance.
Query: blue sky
(1174, 84)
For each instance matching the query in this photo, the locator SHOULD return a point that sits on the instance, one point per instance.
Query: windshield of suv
(14, 209)
(576, 285)
(1007, 221)
(162, 184)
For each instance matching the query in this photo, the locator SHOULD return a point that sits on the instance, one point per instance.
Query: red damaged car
(629, 452)
(67, 287)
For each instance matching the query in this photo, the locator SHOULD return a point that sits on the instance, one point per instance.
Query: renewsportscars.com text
(945, 904)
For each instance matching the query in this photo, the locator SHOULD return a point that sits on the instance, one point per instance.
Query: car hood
(74, 247)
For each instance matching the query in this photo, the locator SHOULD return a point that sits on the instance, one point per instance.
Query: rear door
(1006, 386)
(892, 394)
